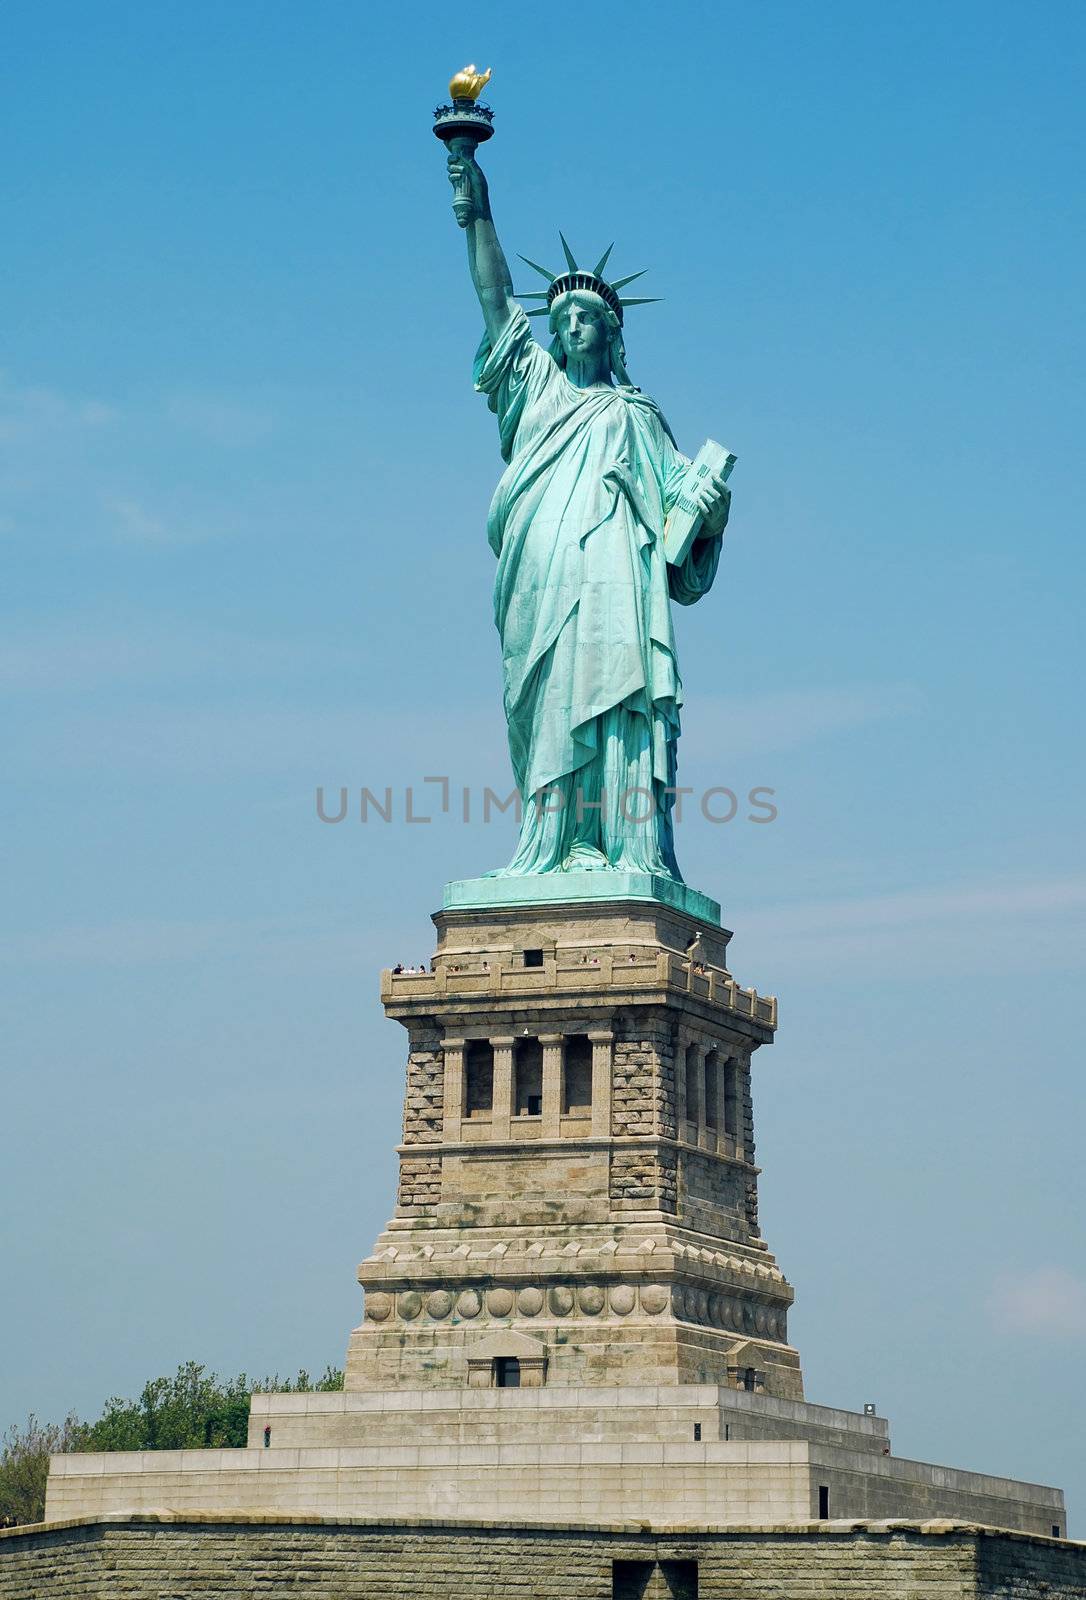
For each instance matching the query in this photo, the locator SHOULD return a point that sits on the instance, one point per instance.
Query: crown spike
(543, 272)
(602, 262)
(579, 279)
(531, 294)
(570, 257)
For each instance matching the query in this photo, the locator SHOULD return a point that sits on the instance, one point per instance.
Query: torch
(464, 126)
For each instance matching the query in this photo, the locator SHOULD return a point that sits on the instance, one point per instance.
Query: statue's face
(582, 328)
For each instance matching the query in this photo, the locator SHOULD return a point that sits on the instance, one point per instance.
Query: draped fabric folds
(581, 602)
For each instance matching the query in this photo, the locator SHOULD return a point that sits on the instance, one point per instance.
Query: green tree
(24, 1466)
(193, 1410)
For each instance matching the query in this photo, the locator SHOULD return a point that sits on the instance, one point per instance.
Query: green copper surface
(583, 588)
(553, 888)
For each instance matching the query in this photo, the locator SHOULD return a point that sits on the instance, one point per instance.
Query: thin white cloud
(787, 718)
(1049, 1302)
(56, 658)
(147, 941)
(912, 907)
(77, 469)
(938, 930)
(135, 522)
(329, 746)
(83, 653)
(31, 412)
(232, 421)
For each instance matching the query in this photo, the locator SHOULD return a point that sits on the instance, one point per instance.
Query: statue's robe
(581, 601)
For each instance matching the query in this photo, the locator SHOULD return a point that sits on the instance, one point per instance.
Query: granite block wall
(211, 1558)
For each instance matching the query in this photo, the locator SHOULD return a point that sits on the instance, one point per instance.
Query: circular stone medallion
(530, 1302)
(439, 1304)
(469, 1304)
(654, 1298)
(499, 1302)
(378, 1307)
(561, 1300)
(591, 1299)
(409, 1304)
(623, 1299)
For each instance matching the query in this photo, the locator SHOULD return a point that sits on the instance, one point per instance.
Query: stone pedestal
(578, 1193)
(572, 1320)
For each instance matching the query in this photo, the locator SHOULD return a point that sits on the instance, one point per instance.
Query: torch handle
(463, 205)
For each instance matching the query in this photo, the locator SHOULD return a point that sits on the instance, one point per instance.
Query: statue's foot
(652, 869)
(517, 870)
(584, 858)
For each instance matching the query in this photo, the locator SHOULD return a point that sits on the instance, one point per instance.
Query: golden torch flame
(469, 83)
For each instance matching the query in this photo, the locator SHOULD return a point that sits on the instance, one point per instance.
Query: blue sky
(243, 485)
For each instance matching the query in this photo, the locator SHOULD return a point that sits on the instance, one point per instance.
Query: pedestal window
(479, 1079)
(577, 1075)
(528, 1078)
(712, 1090)
(694, 1088)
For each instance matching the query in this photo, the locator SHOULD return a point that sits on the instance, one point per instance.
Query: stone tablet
(684, 519)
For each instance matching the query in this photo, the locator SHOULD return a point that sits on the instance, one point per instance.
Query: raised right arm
(486, 259)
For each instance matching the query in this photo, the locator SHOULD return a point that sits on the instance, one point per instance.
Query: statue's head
(584, 310)
(583, 325)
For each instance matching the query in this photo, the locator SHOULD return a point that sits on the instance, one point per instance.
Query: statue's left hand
(715, 498)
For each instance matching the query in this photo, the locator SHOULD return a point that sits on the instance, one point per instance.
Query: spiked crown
(579, 278)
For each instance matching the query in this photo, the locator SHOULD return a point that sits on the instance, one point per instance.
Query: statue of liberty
(583, 588)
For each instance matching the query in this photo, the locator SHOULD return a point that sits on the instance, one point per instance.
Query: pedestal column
(453, 1107)
(552, 1043)
(733, 1072)
(706, 1131)
(681, 1045)
(502, 1045)
(698, 1054)
(720, 1097)
(602, 1041)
